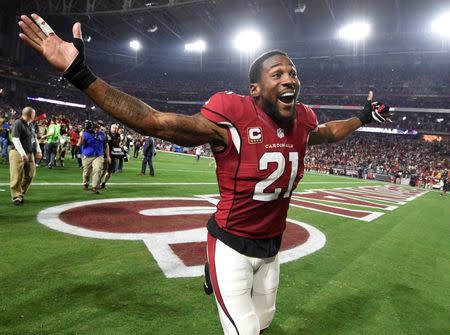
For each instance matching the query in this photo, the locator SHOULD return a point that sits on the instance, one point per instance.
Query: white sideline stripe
(195, 171)
(181, 153)
(126, 184)
(171, 183)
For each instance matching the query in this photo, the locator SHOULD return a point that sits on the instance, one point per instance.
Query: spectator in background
(446, 183)
(198, 152)
(74, 135)
(63, 144)
(149, 151)
(137, 146)
(92, 142)
(41, 129)
(53, 136)
(22, 165)
(115, 153)
(4, 137)
(123, 146)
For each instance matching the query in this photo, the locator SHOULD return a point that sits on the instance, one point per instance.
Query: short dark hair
(254, 75)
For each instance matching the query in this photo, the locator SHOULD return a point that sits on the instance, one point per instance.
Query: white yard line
(124, 184)
(172, 183)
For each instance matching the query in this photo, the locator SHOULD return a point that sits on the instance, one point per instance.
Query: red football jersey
(260, 167)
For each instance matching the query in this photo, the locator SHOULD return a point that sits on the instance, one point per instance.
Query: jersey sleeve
(308, 118)
(217, 108)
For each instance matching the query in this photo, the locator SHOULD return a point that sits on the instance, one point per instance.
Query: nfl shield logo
(280, 133)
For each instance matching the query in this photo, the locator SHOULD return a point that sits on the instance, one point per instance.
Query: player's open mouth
(287, 98)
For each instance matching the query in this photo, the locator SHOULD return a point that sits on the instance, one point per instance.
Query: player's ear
(255, 90)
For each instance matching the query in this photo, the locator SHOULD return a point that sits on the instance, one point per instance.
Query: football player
(259, 143)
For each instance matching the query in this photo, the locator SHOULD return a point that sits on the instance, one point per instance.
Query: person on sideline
(198, 153)
(53, 137)
(92, 143)
(22, 166)
(149, 151)
(115, 153)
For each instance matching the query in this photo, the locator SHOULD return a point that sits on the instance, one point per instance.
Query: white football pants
(245, 288)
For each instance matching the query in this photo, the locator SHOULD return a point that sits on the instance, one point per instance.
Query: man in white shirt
(22, 166)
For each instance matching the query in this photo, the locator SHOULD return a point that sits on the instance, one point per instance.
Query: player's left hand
(375, 112)
(41, 37)
(38, 156)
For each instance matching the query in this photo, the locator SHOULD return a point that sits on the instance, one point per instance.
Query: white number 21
(275, 157)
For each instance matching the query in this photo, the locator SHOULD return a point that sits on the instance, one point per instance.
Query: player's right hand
(25, 158)
(59, 53)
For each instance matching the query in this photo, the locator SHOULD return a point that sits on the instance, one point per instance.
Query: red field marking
(380, 193)
(173, 229)
(366, 195)
(125, 218)
(190, 253)
(329, 196)
(194, 253)
(403, 190)
(386, 190)
(334, 210)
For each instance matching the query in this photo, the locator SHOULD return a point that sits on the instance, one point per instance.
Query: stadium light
(135, 45)
(441, 25)
(248, 40)
(355, 31)
(196, 46)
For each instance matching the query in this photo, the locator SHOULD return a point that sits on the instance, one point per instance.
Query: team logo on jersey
(255, 135)
(280, 133)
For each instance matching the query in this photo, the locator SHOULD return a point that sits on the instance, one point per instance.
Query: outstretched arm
(180, 129)
(68, 58)
(335, 131)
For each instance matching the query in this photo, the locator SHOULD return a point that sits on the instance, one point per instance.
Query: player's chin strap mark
(46, 29)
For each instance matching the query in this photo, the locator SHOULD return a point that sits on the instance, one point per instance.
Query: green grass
(389, 276)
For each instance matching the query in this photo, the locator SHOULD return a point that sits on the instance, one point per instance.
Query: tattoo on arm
(181, 129)
(124, 104)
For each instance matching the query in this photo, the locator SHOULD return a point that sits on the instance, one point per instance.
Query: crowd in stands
(386, 154)
(381, 154)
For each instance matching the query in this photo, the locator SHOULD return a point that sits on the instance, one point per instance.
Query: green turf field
(388, 276)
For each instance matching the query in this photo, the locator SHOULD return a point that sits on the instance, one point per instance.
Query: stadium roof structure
(304, 26)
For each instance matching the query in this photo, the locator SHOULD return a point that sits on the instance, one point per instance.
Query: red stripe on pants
(211, 242)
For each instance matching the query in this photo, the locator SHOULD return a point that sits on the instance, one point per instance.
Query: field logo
(173, 229)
